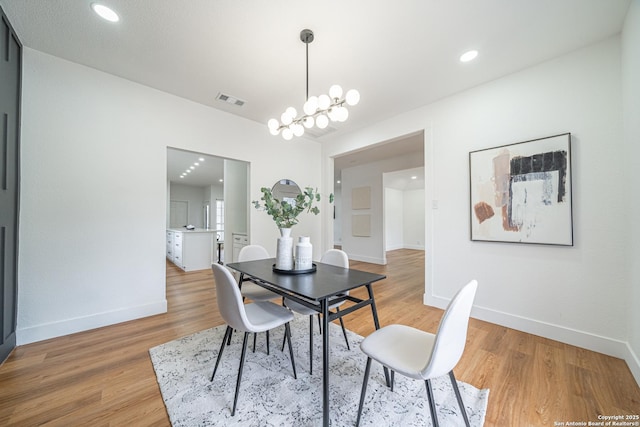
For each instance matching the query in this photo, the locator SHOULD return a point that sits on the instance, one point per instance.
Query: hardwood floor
(104, 377)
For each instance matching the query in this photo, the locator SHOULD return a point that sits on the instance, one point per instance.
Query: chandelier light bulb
(333, 116)
(273, 124)
(292, 112)
(335, 92)
(286, 119)
(298, 129)
(342, 114)
(352, 97)
(274, 131)
(323, 102)
(308, 122)
(311, 106)
(322, 121)
(287, 134)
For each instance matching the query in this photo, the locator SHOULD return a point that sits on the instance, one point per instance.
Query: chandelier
(317, 110)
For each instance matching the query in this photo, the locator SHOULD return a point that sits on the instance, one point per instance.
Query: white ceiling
(399, 55)
(208, 171)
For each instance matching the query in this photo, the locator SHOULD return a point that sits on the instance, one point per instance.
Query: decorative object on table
(304, 254)
(284, 250)
(522, 192)
(183, 370)
(284, 202)
(317, 110)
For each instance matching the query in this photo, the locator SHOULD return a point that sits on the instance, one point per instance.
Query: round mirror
(286, 190)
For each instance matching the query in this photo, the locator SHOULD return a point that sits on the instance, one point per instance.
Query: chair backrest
(229, 298)
(252, 252)
(452, 333)
(336, 257)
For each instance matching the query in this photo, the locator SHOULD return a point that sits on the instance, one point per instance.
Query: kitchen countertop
(195, 230)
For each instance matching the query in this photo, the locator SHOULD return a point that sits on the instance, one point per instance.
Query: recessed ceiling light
(201, 159)
(414, 177)
(221, 180)
(468, 56)
(104, 12)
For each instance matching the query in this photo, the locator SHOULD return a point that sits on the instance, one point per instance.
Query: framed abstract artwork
(522, 192)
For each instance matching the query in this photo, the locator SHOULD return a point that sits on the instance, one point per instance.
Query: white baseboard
(369, 259)
(415, 247)
(589, 341)
(80, 324)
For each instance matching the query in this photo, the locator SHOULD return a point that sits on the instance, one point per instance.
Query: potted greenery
(284, 212)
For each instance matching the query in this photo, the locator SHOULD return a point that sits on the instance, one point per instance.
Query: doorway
(399, 159)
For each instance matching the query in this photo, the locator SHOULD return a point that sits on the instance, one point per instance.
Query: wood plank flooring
(104, 377)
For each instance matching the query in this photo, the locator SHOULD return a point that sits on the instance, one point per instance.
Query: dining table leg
(325, 362)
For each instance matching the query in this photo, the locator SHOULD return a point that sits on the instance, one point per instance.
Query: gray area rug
(270, 396)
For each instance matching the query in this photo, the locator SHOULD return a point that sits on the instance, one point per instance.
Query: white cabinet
(240, 240)
(191, 250)
(170, 245)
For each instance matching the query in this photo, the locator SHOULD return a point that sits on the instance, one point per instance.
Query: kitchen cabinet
(191, 249)
(240, 240)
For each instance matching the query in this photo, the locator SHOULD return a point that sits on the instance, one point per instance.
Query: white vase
(304, 254)
(284, 250)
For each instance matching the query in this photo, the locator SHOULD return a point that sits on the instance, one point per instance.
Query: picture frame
(522, 192)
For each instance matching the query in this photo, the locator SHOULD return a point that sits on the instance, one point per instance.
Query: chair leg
(267, 342)
(254, 341)
(287, 334)
(456, 390)
(244, 353)
(432, 404)
(227, 333)
(344, 331)
(319, 324)
(393, 375)
(311, 345)
(364, 389)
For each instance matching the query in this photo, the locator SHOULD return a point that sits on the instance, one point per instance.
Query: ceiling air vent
(315, 132)
(230, 99)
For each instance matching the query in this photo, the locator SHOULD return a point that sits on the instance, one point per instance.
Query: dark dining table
(317, 289)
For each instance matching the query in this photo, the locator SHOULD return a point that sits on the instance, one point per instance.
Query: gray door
(10, 71)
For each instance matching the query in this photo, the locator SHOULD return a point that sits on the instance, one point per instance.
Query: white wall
(393, 219)
(236, 205)
(94, 185)
(631, 120)
(413, 219)
(574, 294)
(195, 197)
(369, 249)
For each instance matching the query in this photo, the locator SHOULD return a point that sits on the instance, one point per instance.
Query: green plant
(284, 213)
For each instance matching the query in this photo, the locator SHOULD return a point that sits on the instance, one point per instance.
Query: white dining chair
(335, 257)
(247, 287)
(421, 355)
(248, 318)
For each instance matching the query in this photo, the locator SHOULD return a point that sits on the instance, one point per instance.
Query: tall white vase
(284, 250)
